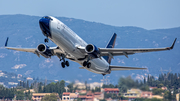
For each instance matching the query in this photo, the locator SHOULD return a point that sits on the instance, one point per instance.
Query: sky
(147, 14)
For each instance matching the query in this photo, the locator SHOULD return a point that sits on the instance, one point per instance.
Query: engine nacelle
(44, 50)
(92, 50)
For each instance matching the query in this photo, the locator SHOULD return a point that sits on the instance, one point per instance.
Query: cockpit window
(47, 17)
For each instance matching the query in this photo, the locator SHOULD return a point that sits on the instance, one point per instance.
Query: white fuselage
(68, 41)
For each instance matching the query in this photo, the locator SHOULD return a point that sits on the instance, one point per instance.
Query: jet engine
(44, 50)
(92, 50)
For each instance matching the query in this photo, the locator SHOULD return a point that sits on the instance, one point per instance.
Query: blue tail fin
(110, 45)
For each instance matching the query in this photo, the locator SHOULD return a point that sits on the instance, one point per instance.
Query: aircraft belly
(98, 66)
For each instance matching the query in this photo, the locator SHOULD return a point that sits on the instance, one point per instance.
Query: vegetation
(51, 97)
(145, 99)
(172, 82)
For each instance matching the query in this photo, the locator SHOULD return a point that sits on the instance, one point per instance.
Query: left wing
(54, 50)
(126, 52)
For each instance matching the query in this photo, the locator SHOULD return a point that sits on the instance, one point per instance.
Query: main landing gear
(46, 40)
(87, 63)
(64, 63)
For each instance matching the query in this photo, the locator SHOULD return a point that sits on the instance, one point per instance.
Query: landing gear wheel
(46, 40)
(84, 63)
(67, 63)
(63, 64)
(88, 65)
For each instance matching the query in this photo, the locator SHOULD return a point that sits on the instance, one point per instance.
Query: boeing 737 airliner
(71, 46)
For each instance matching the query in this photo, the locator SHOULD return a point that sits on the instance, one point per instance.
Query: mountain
(24, 31)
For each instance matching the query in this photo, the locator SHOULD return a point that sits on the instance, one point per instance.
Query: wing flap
(114, 68)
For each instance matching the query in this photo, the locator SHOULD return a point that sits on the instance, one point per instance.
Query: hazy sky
(148, 14)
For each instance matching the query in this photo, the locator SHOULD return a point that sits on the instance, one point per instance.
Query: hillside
(24, 31)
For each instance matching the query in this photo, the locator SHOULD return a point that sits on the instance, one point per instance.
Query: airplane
(71, 46)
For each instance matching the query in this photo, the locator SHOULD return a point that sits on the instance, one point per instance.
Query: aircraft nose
(44, 24)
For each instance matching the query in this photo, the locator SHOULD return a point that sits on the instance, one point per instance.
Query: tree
(19, 95)
(160, 85)
(51, 97)
(27, 86)
(145, 88)
(70, 86)
(61, 86)
(169, 96)
(157, 91)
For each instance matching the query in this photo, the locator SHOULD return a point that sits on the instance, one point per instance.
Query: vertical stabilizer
(110, 45)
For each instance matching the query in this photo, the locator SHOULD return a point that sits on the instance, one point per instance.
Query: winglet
(6, 41)
(173, 44)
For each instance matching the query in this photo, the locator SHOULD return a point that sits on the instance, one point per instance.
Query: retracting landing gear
(87, 63)
(46, 40)
(64, 63)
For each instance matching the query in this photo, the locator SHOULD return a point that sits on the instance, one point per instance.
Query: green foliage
(108, 86)
(157, 91)
(28, 95)
(6, 93)
(160, 85)
(144, 88)
(97, 89)
(145, 99)
(102, 100)
(51, 97)
(53, 88)
(70, 86)
(78, 99)
(19, 95)
(107, 95)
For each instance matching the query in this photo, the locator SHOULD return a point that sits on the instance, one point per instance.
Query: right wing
(126, 52)
(114, 68)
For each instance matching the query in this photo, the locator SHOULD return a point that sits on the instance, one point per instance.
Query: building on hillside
(39, 96)
(29, 78)
(157, 96)
(151, 88)
(146, 94)
(164, 88)
(67, 96)
(95, 84)
(92, 96)
(99, 95)
(79, 85)
(132, 94)
(81, 91)
(31, 90)
(177, 97)
(111, 90)
(109, 99)
(73, 96)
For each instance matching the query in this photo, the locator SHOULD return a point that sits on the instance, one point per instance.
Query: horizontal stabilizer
(114, 68)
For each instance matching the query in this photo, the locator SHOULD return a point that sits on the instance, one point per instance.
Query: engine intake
(92, 50)
(44, 50)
